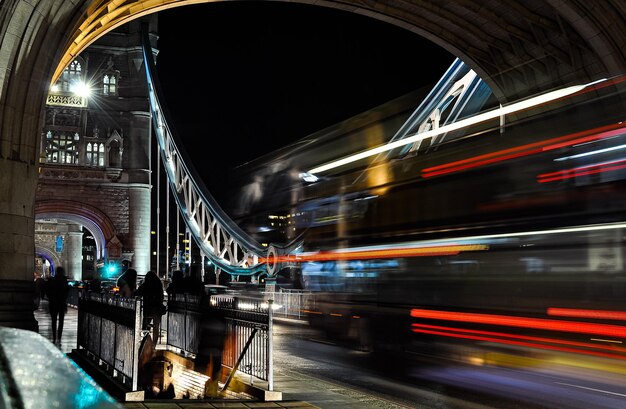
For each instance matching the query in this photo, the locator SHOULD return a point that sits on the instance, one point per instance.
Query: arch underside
(518, 47)
(47, 254)
(88, 216)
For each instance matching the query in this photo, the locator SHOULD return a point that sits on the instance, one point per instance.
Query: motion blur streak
(377, 254)
(582, 171)
(486, 116)
(611, 348)
(603, 132)
(595, 314)
(520, 343)
(523, 322)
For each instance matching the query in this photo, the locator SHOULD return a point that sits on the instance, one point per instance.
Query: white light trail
(582, 155)
(496, 113)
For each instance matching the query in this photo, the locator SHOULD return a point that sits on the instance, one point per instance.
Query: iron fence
(109, 331)
(248, 339)
(291, 303)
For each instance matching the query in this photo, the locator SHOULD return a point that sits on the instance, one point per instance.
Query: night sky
(244, 78)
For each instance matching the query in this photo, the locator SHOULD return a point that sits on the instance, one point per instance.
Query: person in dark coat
(193, 281)
(213, 331)
(56, 290)
(127, 283)
(177, 286)
(39, 290)
(151, 290)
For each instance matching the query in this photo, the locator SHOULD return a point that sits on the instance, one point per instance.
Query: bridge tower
(94, 173)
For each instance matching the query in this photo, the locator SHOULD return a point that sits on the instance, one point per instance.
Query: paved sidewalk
(69, 343)
(299, 391)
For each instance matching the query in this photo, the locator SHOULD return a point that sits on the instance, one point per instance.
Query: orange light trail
(589, 135)
(523, 322)
(376, 254)
(523, 337)
(595, 314)
(521, 343)
(582, 171)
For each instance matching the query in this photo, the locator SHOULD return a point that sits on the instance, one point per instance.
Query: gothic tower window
(109, 84)
(62, 147)
(72, 77)
(95, 154)
(110, 78)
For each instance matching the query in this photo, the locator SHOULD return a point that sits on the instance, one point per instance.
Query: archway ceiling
(519, 47)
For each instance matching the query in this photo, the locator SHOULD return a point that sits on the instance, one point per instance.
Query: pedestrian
(127, 283)
(57, 289)
(177, 286)
(211, 342)
(193, 281)
(95, 285)
(39, 290)
(152, 292)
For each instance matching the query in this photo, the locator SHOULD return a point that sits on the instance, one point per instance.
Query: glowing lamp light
(275, 307)
(308, 177)
(81, 89)
(111, 270)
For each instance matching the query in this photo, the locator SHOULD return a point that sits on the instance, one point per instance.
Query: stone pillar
(74, 254)
(137, 165)
(18, 181)
(139, 227)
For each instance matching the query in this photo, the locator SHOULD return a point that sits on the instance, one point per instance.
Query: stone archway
(82, 213)
(518, 48)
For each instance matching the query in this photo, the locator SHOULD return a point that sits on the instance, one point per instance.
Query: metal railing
(293, 303)
(109, 330)
(248, 340)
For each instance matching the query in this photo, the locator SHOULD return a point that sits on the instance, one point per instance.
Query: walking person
(212, 338)
(127, 283)
(57, 289)
(39, 290)
(152, 292)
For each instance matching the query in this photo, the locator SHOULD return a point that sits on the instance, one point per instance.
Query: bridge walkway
(299, 391)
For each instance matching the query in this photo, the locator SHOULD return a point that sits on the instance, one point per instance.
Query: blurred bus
(507, 232)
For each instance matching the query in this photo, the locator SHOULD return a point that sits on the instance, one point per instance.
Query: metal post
(158, 244)
(167, 232)
(138, 324)
(177, 240)
(270, 346)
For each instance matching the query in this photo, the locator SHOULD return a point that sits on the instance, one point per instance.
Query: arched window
(71, 77)
(109, 84)
(95, 154)
(62, 147)
(110, 78)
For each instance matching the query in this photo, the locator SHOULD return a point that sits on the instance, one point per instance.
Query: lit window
(109, 84)
(95, 154)
(71, 76)
(62, 148)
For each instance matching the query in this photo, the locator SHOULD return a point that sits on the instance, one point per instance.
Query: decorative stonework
(66, 100)
(51, 172)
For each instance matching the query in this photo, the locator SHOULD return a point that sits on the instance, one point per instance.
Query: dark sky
(244, 78)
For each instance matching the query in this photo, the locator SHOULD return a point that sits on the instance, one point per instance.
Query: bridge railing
(109, 331)
(292, 303)
(228, 246)
(248, 339)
